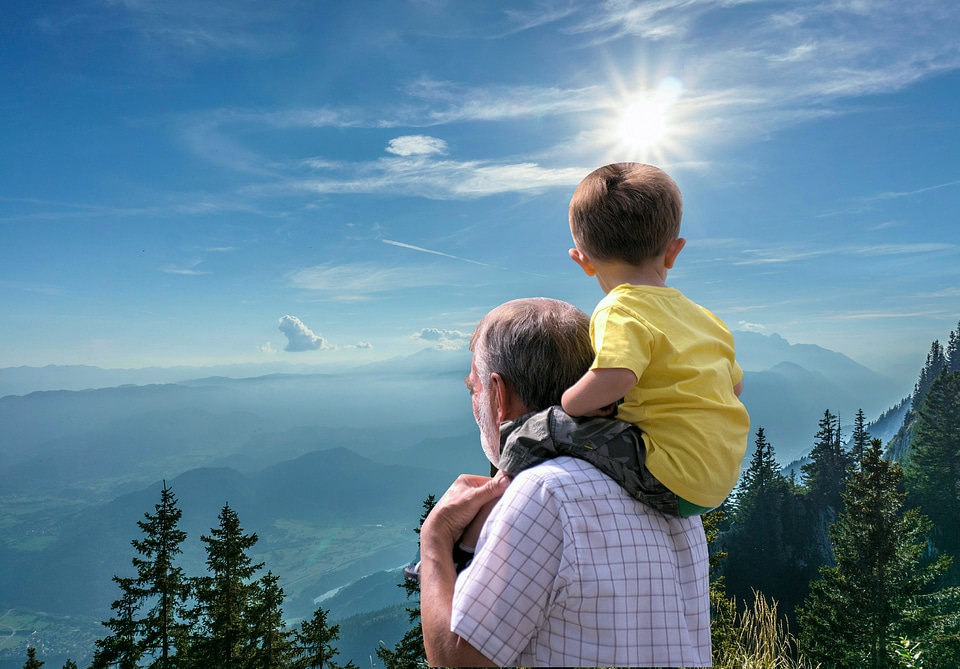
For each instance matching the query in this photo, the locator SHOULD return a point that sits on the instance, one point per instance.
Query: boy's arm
(597, 389)
(737, 389)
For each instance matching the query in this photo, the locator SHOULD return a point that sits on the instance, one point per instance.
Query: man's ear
(673, 250)
(579, 257)
(507, 404)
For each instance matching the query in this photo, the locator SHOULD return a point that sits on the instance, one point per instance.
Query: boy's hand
(608, 411)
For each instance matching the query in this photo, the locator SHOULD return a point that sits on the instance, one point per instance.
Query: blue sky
(178, 177)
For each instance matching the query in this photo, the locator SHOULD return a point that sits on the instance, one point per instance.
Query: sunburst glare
(645, 122)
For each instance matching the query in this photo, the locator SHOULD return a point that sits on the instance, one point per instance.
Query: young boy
(670, 360)
(682, 431)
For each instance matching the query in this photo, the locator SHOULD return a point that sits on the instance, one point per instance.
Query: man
(569, 570)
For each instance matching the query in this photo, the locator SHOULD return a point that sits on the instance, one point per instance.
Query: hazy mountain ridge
(328, 468)
(335, 487)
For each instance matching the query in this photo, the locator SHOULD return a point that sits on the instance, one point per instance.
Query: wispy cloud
(791, 254)
(188, 268)
(192, 27)
(31, 287)
(443, 179)
(919, 191)
(359, 281)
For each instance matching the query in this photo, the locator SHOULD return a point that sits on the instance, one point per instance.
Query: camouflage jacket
(611, 445)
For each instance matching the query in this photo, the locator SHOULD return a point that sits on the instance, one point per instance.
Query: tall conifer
(224, 637)
(933, 468)
(159, 580)
(315, 640)
(859, 605)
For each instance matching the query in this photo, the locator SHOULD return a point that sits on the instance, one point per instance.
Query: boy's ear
(579, 257)
(673, 250)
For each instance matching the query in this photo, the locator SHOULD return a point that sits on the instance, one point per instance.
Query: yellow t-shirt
(694, 426)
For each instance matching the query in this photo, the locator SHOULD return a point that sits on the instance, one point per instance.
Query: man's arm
(443, 526)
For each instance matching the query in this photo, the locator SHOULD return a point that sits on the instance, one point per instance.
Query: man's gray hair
(539, 346)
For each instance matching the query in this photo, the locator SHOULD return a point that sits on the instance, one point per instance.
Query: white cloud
(443, 339)
(267, 348)
(360, 280)
(300, 337)
(416, 145)
(751, 327)
(441, 179)
(187, 268)
(360, 345)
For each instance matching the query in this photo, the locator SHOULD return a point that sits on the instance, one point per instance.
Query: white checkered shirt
(570, 571)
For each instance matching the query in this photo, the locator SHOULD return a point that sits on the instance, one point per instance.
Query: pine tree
(826, 474)
(159, 580)
(933, 468)
(69, 664)
(861, 438)
(223, 635)
(32, 661)
(409, 653)
(858, 606)
(953, 351)
(121, 649)
(315, 641)
(273, 647)
(936, 361)
(766, 552)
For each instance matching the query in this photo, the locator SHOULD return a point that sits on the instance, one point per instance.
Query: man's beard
(489, 433)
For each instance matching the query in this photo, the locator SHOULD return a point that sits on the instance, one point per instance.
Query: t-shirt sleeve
(501, 599)
(620, 341)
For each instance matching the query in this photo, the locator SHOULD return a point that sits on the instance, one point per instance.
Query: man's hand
(459, 506)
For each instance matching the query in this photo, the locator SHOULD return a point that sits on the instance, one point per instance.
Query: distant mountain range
(329, 468)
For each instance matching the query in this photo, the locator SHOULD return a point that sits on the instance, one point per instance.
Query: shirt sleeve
(501, 599)
(620, 341)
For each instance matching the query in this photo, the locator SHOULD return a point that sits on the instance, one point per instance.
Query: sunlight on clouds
(646, 120)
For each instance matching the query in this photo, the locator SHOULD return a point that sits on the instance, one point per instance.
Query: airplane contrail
(436, 253)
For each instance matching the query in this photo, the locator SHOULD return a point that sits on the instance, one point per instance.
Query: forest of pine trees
(861, 556)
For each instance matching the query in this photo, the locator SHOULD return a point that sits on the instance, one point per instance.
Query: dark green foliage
(409, 653)
(69, 664)
(825, 476)
(770, 540)
(936, 361)
(32, 661)
(223, 634)
(933, 470)
(952, 353)
(273, 646)
(857, 607)
(723, 609)
(860, 440)
(160, 581)
(121, 649)
(315, 641)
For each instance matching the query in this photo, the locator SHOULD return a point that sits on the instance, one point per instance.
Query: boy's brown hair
(626, 211)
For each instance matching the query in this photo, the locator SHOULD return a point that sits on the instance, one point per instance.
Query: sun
(645, 123)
